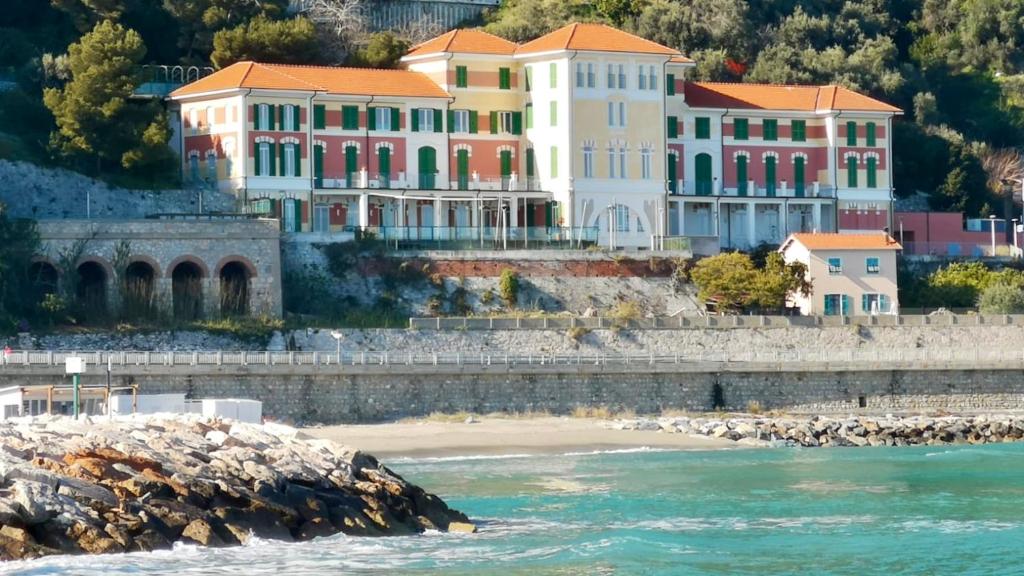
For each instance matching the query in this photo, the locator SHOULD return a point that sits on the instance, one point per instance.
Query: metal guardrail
(693, 322)
(100, 360)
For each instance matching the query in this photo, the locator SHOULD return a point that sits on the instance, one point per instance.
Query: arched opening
(139, 297)
(44, 278)
(702, 170)
(91, 290)
(234, 289)
(187, 291)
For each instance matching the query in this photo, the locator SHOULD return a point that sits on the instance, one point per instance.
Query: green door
(318, 165)
(673, 177)
(428, 167)
(798, 176)
(462, 168)
(351, 162)
(769, 175)
(530, 169)
(703, 174)
(384, 155)
(741, 175)
(506, 168)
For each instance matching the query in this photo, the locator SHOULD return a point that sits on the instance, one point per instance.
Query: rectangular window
(263, 166)
(851, 171)
(504, 79)
(591, 75)
(286, 118)
(460, 121)
(622, 76)
(851, 133)
(529, 116)
(423, 120)
(621, 218)
(611, 77)
(799, 131)
(703, 128)
(611, 162)
(870, 135)
(622, 113)
(641, 78)
(622, 162)
(554, 161)
(875, 304)
(673, 127)
(350, 117)
(588, 162)
(319, 117)
(740, 129)
(670, 84)
(381, 119)
(652, 78)
(872, 266)
(461, 77)
(289, 159)
(835, 266)
(506, 122)
(263, 117)
(611, 114)
(771, 130)
(553, 113)
(579, 75)
(645, 163)
(553, 75)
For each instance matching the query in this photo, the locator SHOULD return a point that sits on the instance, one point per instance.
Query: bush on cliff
(1002, 298)
(508, 287)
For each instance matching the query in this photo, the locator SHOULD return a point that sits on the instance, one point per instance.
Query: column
(364, 210)
(752, 224)
(817, 217)
(438, 221)
(513, 212)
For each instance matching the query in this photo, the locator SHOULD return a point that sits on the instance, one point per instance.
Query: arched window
(741, 175)
(851, 171)
(872, 169)
(702, 173)
(211, 165)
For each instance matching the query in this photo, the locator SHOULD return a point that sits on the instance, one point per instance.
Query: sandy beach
(488, 436)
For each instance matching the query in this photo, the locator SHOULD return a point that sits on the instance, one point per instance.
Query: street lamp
(338, 335)
(992, 228)
(75, 366)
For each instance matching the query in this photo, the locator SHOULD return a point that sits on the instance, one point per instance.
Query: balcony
(783, 190)
(363, 180)
(484, 238)
(159, 81)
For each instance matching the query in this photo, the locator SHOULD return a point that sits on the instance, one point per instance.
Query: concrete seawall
(333, 394)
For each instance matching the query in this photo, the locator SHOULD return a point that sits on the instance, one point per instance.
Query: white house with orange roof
(850, 274)
(585, 135)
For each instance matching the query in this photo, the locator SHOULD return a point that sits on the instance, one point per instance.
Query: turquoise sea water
(894, 511)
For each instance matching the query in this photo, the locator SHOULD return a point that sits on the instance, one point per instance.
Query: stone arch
(44, 276)
(189, 258)
(233, 258)
(148, 260)
(187, 274)
(93, 281)
(139, 288)
(235, 287)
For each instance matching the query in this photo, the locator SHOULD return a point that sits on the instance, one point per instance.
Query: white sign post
(75, 366)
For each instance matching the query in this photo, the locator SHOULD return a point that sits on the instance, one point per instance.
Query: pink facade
(816, 159)
(943, 234)
(859, 219)
(484, 157)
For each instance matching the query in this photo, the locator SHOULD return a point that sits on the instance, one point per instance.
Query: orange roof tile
(680, 60)
(464, 41)
(333, 80)
(835, 241)
(780, 97)
(595, 37)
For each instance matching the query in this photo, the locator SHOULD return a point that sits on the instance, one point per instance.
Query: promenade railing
(99, 360)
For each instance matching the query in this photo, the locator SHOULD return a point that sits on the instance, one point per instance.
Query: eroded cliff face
(98, 486)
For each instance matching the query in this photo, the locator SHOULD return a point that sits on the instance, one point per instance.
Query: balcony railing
(486, 237)
(960, 249)
(403, 181)
(159, 81)
(752, 190)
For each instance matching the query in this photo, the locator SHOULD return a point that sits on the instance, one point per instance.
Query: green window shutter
(741, 175)
(280, 116)
(350, 117)
(871, 134)
(872, 172)
(255, 116)
(851, 133)
(297, 117)
(670, 84)
(298, 159)
(554, 161)
(371, 118)
(414, 113)
(461, 77)
(769, 175)
(396, 119)
(529, 163)
(799, 131)
(451, 121)
(438, 122)
(273, 163)
(271, 113)
(319, 117)
(673, 127)
(529, 78)
(256, 160)
(280, 159)
(554, 112)
(553, 75)
(529, 116)
(494, 122)
(851, 171)
(473, 122)
(703, 128)
(517, 122)
(771, 130)
(504, 79)
(864, 303)
(741, 129)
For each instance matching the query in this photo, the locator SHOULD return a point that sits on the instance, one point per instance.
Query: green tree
(19, 243)
(1001, 298)
(713, 25)
(524, 20)
(95, 118)
(200, 20)
(777, 281)
(383, 50)
(729, 279)
(508, 287)
(276, 41)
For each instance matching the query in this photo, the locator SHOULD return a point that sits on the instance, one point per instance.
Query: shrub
(576, 333)
(1001, 298)
(487, 297)
(625, 312)
(508, 287)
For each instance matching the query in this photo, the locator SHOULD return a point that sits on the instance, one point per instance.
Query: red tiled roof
(780, 97)
(333, 80)
(465, 41)
(595, 37)
(833, 241)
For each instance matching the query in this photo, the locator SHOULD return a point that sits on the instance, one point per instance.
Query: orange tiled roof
(834, 241)
(333, 80)
(596, 37)
(465, 41)
(780, 97)
(680, 60)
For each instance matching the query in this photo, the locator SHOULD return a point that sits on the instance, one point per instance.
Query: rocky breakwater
(821, 431)
(142, 484)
